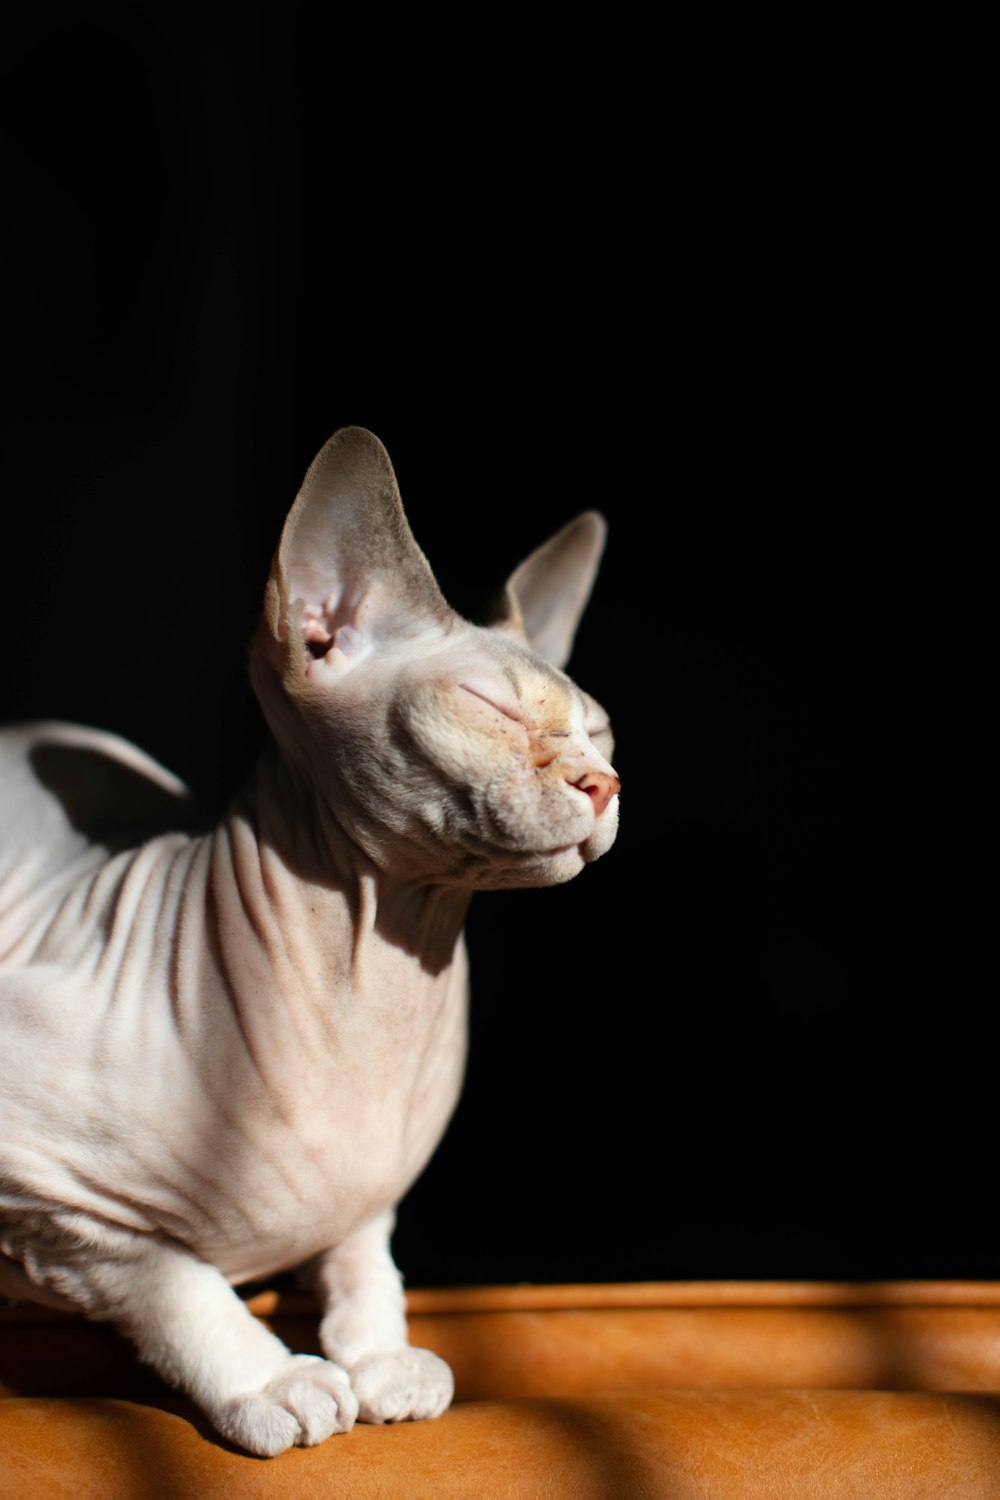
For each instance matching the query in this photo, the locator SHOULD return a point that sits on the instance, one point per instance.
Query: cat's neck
(289, 846)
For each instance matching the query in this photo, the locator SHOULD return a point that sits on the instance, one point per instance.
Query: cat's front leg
(364, 1330)
(189, 1324)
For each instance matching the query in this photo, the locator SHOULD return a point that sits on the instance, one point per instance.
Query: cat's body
(248, 1139)
(227, 1054)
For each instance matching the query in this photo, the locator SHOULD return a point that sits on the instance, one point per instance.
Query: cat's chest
(345, 1120)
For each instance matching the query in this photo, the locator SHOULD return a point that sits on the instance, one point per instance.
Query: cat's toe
(258, 1425)
(310, 1401)
(402, 1385)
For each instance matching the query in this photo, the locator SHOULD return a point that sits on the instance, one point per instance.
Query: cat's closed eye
(495, 697)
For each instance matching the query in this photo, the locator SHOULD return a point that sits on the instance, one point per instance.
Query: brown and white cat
(229, 1054)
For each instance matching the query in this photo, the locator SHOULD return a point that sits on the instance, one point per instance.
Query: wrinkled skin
(231, 1053)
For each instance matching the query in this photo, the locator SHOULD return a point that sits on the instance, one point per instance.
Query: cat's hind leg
(364, 1330)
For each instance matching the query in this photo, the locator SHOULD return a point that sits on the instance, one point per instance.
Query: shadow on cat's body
(107, 800)
(231, 1052)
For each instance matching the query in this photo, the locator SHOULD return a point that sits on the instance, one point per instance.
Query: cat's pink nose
(600, 788)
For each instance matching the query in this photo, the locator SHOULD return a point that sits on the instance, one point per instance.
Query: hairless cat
(227, 1054)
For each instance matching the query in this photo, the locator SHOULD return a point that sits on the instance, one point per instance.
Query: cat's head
(447, 751)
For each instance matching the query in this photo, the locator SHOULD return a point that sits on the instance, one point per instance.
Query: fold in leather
(564, 1341)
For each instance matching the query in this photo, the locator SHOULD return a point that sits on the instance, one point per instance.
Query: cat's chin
(556, 866)
(559, 865)
(539, 867)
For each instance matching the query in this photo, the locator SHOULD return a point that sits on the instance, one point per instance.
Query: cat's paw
(309, 1401)
(401, 1386)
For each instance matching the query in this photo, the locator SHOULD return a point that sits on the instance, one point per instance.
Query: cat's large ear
(545, 597)
(348, 573)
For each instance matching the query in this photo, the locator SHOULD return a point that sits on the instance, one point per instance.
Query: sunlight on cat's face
(526, 784)
(461, 755)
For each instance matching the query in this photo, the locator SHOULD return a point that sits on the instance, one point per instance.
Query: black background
(551, 272)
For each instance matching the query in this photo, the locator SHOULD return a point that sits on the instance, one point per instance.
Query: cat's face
(466, 757)
(447, 751)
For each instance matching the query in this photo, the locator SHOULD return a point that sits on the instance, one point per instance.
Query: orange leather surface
(653, 1445)
(720, 1391)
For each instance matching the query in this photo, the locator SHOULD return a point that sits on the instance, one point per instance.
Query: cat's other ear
(348, 573)
(545, 597)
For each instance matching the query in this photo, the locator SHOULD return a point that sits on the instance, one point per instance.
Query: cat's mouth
(588, 830)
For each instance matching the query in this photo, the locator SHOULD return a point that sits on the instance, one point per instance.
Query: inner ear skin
(318, 642)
